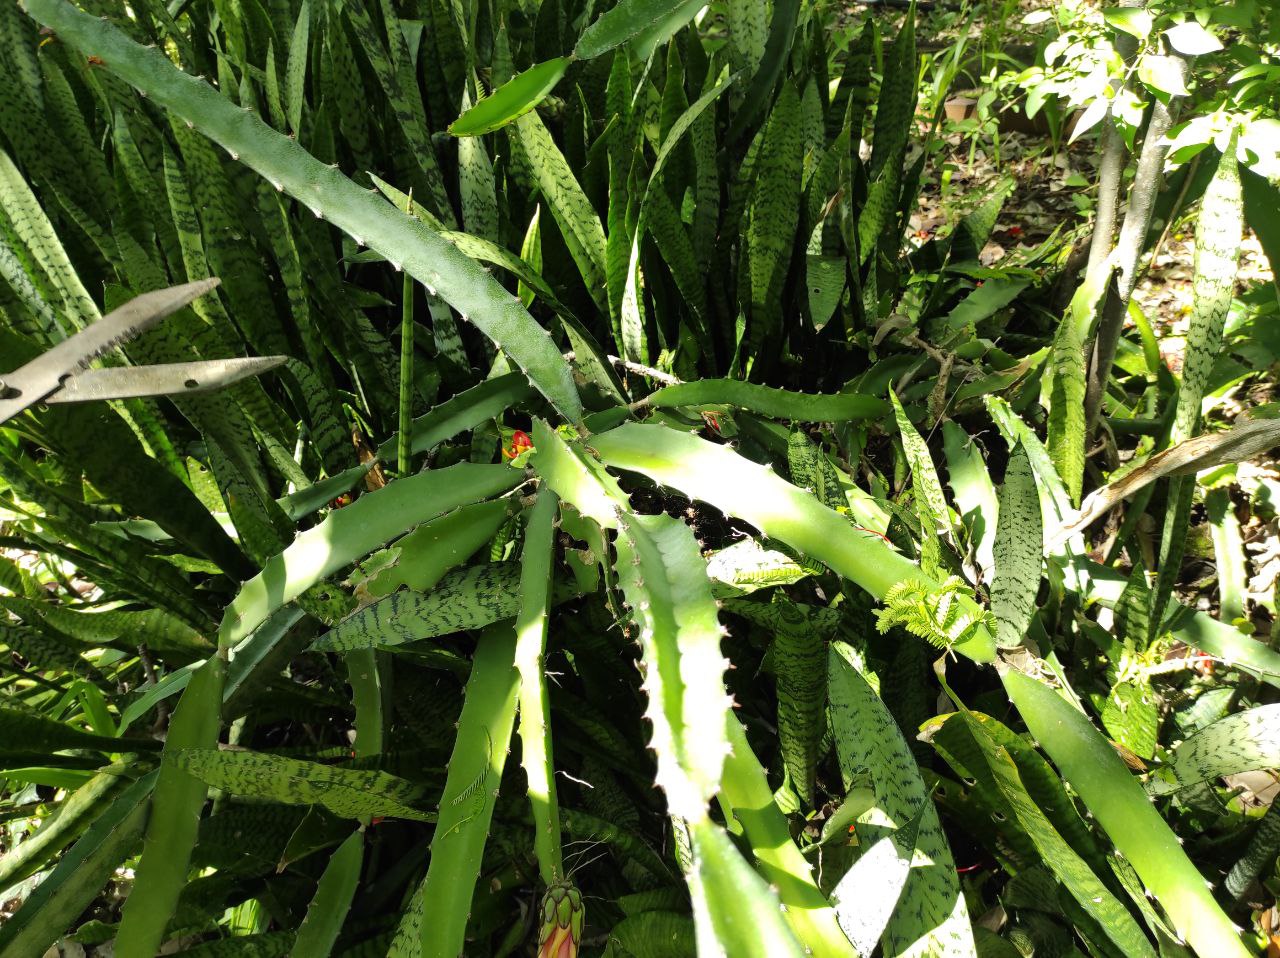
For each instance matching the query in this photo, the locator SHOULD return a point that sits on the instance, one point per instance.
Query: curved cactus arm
(536, 570)
(664, 579)
(470, 792)
(328, 909)
(779, 403)
(1117, 801)
(746, 796)
(702, 470)
(429, 258)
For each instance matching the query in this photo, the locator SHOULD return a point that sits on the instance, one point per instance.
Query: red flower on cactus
(520, 442)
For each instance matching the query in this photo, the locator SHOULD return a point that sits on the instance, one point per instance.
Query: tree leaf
(1191, 39)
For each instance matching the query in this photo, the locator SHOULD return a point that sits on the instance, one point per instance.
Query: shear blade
(172, 379)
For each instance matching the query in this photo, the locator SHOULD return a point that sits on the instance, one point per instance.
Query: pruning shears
(62, 374)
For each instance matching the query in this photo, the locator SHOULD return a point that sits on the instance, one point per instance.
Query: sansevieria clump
(562, 916)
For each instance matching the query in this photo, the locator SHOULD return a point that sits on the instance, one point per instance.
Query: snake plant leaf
(773, 212)
(31, 730)
(1118, 803)
(867, 894)
(774, 506)
(468, 598)
(1213, 288)
(470, 793)
(931, 917)
(995, 768)
(799, 663)
(431, 259)
(513, 99)
(1018, 544)
(1241, 742)
(296, 68)
(1066, 437)
(350, 793)
(80, 874)
(533, 150)
(767, 401)
(747, 566)
(931, 501)
(350, 533)
(1261, 852)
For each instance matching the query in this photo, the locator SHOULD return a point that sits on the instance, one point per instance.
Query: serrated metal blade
(39, 378)
(169, 379)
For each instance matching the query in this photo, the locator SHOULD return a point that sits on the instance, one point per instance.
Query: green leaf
(1163, 74)
(664, 579)
(71, 816)
(1135, 21)
(985, 301)
(1190, 39)
(513, 99)
(1130, 717)
(734, 911)
(1018, 546)
(79, 876)
(747, 799)
(175, 816)
(973, 493)
(536, 575)
(350, 533)
(627, 20)
(995, 768)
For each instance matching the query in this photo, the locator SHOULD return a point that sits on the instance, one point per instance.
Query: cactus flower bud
(562, 916)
